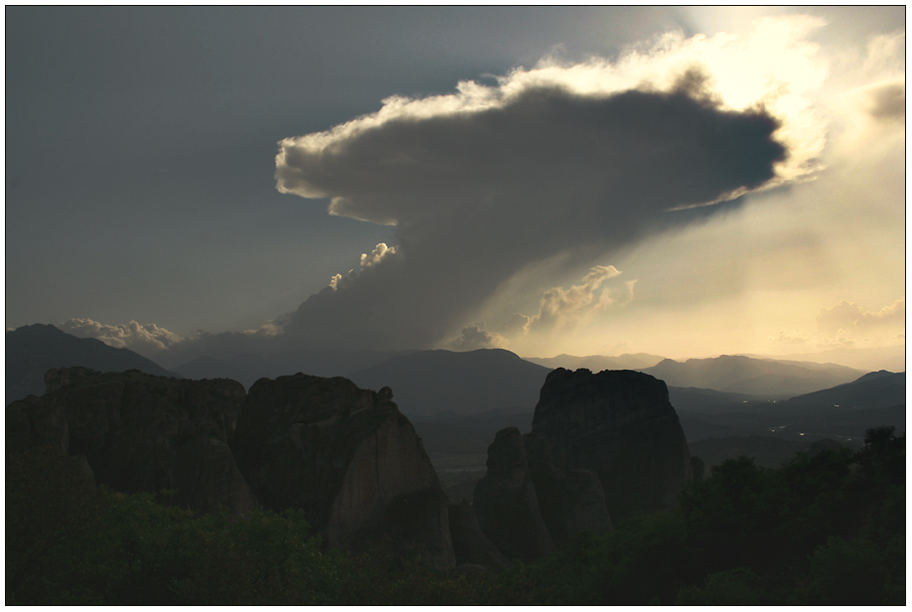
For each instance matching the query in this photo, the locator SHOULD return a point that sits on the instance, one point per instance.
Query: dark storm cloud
(477, 194)
(888, 102)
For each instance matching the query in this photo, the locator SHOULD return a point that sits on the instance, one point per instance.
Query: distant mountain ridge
(873, 391)
(441, 382)
(892, 358)
(32, 350)
(597, 363)
(247, 368)
(748, 375)
(840, 412)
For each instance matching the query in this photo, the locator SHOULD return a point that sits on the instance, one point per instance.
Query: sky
(589, 180)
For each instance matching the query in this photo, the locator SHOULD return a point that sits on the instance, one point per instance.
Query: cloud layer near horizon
(145, 338)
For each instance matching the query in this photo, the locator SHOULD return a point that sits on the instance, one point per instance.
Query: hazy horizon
(685, 182)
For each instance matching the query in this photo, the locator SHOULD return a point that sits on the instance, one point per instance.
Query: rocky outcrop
(526, 504)
(347, 457)
(344, 455)
(470, 544)
(603, 447)
(506, 503)
(571, 500)
(621, 426)
(697, 468)
(141, 433)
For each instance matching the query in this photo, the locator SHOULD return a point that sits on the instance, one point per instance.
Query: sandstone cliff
(571, 500)
(140, 432)
(470, 544)
(620, 425)
(348, 457)
(345, 455)
(506, 503)
(603, 447)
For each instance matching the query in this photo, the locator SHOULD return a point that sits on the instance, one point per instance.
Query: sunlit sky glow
(182, 226)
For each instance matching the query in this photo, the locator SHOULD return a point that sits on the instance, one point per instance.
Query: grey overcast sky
(141, 177)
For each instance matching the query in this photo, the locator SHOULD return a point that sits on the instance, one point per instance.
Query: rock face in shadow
(621, 426)
(141, 433)
(470, 544)
(344, 455)
(603, 447)
(506, 503)
(348, 458)
(571, 500)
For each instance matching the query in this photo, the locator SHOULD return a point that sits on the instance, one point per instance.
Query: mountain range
(443, 383)
(456, 399)
(775, 379)
(597, 363)
(247, 368)
(32, 350)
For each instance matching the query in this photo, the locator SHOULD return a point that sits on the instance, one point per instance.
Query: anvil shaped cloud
(478, 190)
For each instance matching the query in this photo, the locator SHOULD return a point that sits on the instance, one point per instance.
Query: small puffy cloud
(563, 307)
(336, 279)
(140, 337)
(378, 254)
(848, 324)
(852, 318)
(368, 260)
(474, 337)
(789, 339)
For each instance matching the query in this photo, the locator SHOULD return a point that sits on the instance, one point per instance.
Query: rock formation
(140, 432)
(603, 447)
(620, 425)
(347, 457)
(571, 500)
(470, 544)
(506, 503)
(344, 455)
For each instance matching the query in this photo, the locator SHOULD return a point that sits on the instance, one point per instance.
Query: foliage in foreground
(827, 528)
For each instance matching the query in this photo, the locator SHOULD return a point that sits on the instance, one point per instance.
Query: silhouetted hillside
(442, 383)
(862, 358)
(211, 367)
(707, 413)
(763, 377)
(880, 389)
(877, 398)
(723, 426)
(709, 401)
(32, 350)
(597, 363)
(247, 367)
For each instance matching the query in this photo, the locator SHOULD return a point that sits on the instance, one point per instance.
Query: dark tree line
(826, 528)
